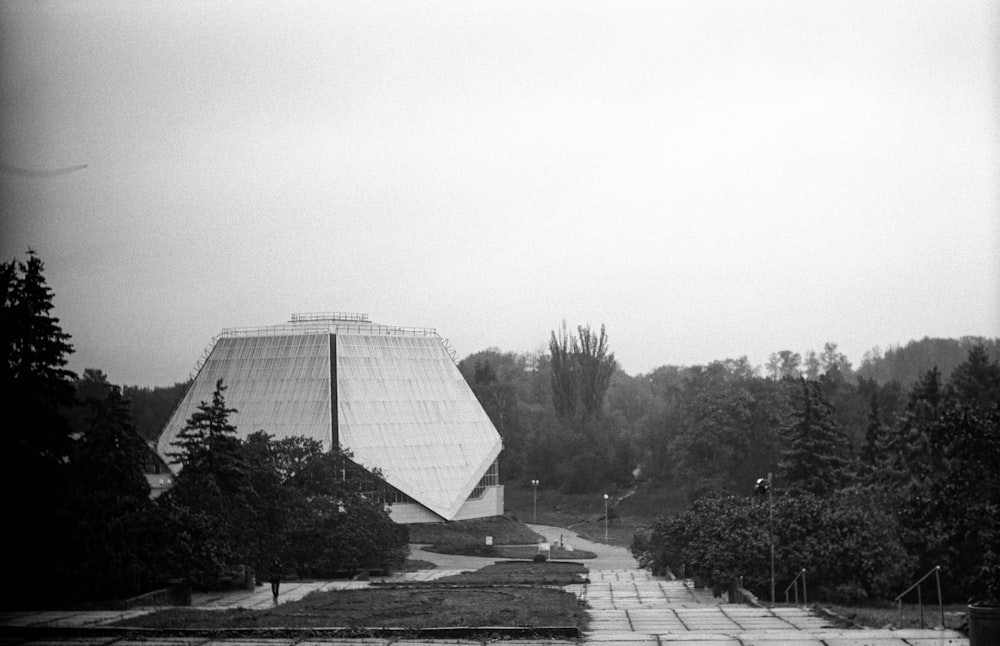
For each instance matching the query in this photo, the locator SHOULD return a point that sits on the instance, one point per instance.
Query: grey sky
(708, 179)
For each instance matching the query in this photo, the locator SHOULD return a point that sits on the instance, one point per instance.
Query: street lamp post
(534, 501)
(765, 485)
(605, 518)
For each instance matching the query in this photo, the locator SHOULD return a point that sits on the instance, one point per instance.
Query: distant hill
(905, 364)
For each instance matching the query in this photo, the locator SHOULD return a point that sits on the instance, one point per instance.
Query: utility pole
(770, 526)
(762, 487)
(605, 518)
(534, 501)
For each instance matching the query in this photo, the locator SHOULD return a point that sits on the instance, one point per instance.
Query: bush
(848, 547)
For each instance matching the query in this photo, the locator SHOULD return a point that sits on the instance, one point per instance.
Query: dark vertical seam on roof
(334, 417)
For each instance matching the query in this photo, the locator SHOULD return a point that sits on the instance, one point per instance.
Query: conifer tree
(817, 459)
(36, 443)
(874, 437)
(110, 498)
(907, 454)
(34, 381)
(976, 381)
(215, 481)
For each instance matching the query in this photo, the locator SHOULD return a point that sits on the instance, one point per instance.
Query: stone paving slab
(674, 613)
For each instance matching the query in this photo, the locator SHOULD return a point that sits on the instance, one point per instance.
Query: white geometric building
(392, 396)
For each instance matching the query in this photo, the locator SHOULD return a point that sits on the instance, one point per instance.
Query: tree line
(875, 482)
(923, 492)
(81, 524)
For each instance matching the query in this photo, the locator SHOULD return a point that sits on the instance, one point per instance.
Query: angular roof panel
(405, 407)
(401, 404)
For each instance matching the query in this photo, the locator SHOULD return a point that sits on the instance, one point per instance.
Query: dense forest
(702, 429)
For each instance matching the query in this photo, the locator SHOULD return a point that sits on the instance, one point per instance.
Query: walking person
(275, 578)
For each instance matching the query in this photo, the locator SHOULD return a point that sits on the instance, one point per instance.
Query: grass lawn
(423, 607)
(584, 513)
(529, 551)
(521, 573)
(504, 530)
(481, 600)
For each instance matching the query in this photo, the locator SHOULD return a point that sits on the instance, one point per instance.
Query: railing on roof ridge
(330, 316)
(204, 357)
(451, 351)
(300, 329)
(327, 327)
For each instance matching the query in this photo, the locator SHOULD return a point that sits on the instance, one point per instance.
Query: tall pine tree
(215, 482)
(818, 457)
(36, 444)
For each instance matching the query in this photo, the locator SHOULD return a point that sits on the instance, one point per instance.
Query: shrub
(847, 546)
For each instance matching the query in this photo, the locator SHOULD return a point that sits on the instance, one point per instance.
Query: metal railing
(794, 585)
(920, 597)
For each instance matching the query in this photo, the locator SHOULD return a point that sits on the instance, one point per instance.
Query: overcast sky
(707, 179)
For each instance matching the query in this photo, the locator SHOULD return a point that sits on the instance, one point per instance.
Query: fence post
(920, 603)
(937, 575)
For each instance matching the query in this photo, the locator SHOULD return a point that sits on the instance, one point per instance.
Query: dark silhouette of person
(275, 578)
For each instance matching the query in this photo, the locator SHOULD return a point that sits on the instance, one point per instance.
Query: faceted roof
(401, 404)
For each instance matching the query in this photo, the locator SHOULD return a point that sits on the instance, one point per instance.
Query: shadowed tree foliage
(874, 439)
(151, 407)
(110, 502)
(36, 389)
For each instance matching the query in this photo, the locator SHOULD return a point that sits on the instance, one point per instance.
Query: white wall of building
(489, 504)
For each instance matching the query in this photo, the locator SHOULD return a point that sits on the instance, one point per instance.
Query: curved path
(609, 557)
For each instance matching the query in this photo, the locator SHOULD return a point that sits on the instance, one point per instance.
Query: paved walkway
(633, 608)
(627, 607)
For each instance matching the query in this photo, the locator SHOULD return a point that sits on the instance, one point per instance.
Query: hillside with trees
(906, 364)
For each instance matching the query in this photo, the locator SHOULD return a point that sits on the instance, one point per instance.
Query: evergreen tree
(33, 377)
(110, 502)
(215, 482)
(817, 459)
(907, 456)
(976, 381)
(874, 437)
(36, 389)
